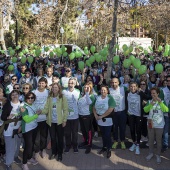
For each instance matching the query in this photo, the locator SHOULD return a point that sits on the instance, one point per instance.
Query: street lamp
(62, 32)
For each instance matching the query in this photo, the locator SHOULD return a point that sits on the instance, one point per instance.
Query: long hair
(60, 95)
(91, 87)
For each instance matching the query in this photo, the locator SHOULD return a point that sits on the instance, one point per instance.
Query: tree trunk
(112, 42)
(60, 20)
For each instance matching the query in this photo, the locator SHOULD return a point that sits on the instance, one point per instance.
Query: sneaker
(149, 157)
(25, 167)
(158, 159)
(96, 134)
(83, 144)
(88, 149)
(17, 160)
(43, 153)
(102, 151)
(147, 144)
(108, 153)
(164, 148)
(67, 149)
(132, 148)
(8, 167)
(144, 139)
(59, 158)
(37, 155)
(32, 161)
(123, 146)
(75, 150)
(114, 146)
(137, 152)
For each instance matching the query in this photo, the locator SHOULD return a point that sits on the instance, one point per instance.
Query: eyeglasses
(68, 70)
(142, 84)
(14, 79)
(168, 80)
(16, 88)
(25, 88)
(30, 98)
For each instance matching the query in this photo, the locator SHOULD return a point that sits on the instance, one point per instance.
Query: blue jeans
(119, 124)
(106, 136)
(165, 132)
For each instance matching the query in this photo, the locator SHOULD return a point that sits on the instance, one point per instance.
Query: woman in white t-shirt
(11, 113)
(104, 105)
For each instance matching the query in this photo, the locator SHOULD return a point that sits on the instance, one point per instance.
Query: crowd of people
(43, 104)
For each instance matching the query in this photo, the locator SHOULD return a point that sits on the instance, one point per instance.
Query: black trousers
(57, 135)
(135, 123)
(144, 127)
(86, 128)
(71, 133)
(41, 138)
(29, 140)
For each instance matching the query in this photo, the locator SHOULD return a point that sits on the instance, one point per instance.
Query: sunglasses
(27, 73)
(16, 88)
(68, 70)
(30, 98)
(14, 79)
(25, 88)
(168, 80)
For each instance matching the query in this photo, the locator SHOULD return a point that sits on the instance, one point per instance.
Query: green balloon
(150, 48)
(10, 48)
(130, 49)
(141, 48)
(98, 58)
(81, 65)
(159, 68)
(63, 48)
(78, 54)
(142, 69)
(116, 59)
(59, 50)
(92, 59)
(37, 52)
(65, 54)
(117, 46)
(124, 47)
(104, 58)
(21, 54)
(165, 54)
(26, 50)
(72, 56)
(93, 49)
(166, 48)
(11, 52)
(86, 51)
(151, 57)
(14, 59)
(46, 49)
(145, 52)
(30, 59)
(126, 53)
(160, 48)
(85, 48)
(51, 54)
(23, 60)
(88, 63)
(137, 63)
(10, 67)
(126, 63)
(132, 58)
(18, 47)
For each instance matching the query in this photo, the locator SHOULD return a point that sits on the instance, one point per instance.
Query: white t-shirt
(49, 80)
(11, 126)
(72, 99)
(54, 110)
(101, 106)
(41, 98)
(64, 81)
